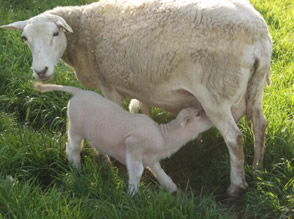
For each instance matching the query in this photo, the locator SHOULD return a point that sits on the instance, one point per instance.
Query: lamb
(213, 55)
(133, 139)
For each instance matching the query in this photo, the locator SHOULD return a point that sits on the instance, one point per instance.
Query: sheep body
(147, 40)
(133, 139)
(207, 54)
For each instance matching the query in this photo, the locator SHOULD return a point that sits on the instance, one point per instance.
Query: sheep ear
(188, 118)
(185, 121)
(60, 22)
(18, 25)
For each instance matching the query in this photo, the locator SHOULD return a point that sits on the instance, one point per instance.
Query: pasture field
(36, 180)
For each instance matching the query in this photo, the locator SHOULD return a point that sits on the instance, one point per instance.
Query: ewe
(133, 139)
(207, 54)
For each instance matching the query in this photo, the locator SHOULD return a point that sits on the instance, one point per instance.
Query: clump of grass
(272, 193)
(23, 200)
(27, 153)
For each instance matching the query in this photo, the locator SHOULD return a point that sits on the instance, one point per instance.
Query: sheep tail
(53, 87)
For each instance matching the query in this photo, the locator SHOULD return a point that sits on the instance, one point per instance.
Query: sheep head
(194, 120)
(44, 34)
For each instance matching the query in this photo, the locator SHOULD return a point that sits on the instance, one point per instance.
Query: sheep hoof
(237, 190)
(257, 165)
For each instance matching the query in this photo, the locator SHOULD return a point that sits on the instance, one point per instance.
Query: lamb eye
(24, 38)
(55, 34)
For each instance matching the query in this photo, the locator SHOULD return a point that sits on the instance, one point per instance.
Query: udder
(173, 100)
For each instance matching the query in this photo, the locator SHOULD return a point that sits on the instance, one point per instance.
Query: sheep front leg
(222, 118)
(112, 94)
(163, 178)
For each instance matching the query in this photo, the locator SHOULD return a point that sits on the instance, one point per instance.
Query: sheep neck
(71, 15)
(80, 51)
(174, 137)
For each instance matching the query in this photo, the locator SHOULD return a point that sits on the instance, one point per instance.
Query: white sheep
(207, 54)
(133, 139)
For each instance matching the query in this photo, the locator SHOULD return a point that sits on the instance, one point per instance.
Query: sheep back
(129, 43)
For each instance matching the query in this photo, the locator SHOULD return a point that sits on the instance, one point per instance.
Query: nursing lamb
(133, 139)
(207, 54)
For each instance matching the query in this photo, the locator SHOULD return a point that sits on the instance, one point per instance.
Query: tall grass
(37, 182)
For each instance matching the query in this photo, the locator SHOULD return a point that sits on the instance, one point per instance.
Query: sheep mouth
(44, 78)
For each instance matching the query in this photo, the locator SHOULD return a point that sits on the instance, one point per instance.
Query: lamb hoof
(237, 190)
(175, 193)
(173, 190)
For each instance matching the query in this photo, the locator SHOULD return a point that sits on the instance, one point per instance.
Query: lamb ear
(18, 25)
(60, 22)
(188, 118)
(185, 121)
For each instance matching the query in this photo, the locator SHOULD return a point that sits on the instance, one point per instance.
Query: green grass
(37, 182)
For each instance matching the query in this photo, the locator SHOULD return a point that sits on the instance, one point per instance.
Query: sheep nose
(43, 72)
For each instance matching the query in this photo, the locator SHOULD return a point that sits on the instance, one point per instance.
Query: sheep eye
(24, 38)
(55, 34)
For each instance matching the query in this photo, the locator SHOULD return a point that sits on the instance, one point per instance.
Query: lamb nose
(43, 72)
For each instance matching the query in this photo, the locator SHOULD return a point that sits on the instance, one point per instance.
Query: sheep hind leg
(73, 149)
(223, 120)
(134, 163)
(135, 170)
(259, 126)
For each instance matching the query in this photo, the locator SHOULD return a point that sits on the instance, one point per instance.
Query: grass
(37, 182)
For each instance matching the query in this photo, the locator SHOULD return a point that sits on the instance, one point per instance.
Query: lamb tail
(53, 87)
